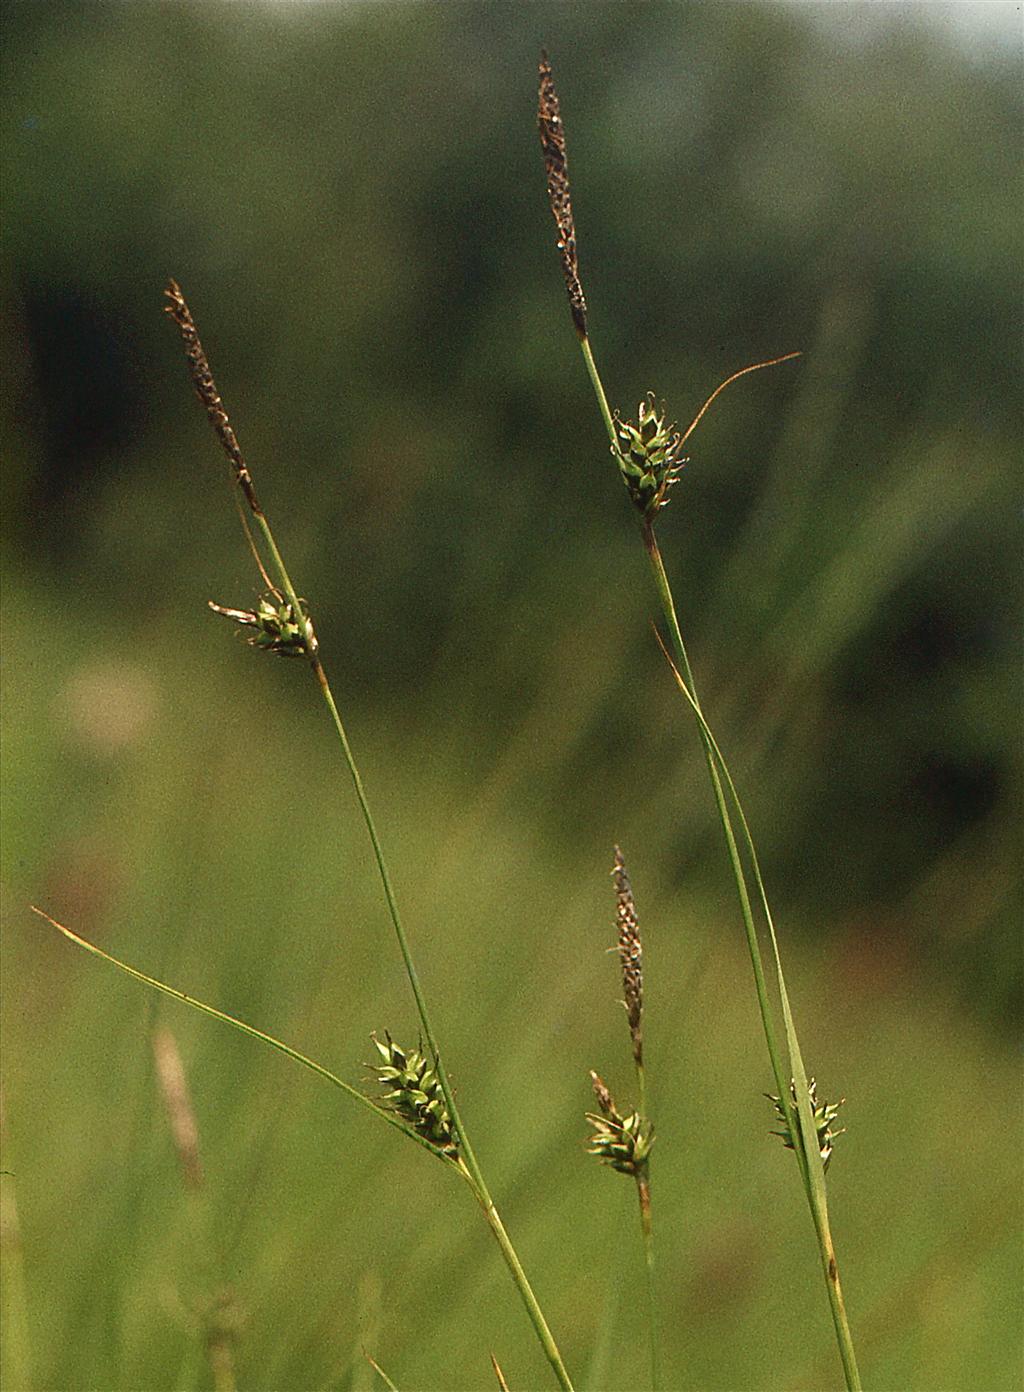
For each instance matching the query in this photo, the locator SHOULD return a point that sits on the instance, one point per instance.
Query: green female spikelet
(415, 1094)
(825, 1114)
(649, 455)
(274, 625)
(624, 1143)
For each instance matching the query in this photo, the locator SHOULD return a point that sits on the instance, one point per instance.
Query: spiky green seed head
(274, 625)
(825, 1114)
(649, 455)
(414, 1092)
(624, 1143)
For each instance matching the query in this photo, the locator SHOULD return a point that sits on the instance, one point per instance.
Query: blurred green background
(352, 199)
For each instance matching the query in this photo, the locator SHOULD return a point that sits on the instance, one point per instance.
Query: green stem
(810, 1160)
(378, 850)
(669, 610)
(808, 1156)
(641, 1084)
(472, 1166)
(598, 385)
(515, 1266)
(643, 1189)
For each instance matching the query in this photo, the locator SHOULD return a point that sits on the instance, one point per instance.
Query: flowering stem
(668, 608)
(807, 1152)
(597, 384)
(202, 380)
(800, 1121)
(469, 1162)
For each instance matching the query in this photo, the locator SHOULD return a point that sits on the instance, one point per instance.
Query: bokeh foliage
(352, 198)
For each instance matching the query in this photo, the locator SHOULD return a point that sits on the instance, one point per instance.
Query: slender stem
(643, 1189)
(810, 1165)
(811, 1169)
(596, 383)
(669, 610)
(378, 850)
(536, 1314)
(472, 1166)
(809, 1160)
(385, 878)
(641, 1084)
(202, 381)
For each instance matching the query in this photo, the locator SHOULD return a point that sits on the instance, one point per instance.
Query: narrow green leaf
(205, 1009)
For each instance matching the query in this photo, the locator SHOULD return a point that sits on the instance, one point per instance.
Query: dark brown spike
(631, 955)
(206, 390)
(552, 142)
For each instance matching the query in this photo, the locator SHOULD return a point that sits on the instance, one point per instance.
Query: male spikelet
(556, 167)
(631, 956)
(824, 1113)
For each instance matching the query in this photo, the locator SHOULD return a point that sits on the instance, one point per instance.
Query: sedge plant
(621, 1140)
(417, 1097)
(648, 452)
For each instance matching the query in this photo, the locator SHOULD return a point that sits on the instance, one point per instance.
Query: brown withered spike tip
(604, 1097)
(206, 390)
(631, 954)
(552, 142)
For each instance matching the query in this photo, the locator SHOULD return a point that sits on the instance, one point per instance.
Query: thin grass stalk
(668, 608)
(648, 490)
(808, 1154)
(209, 397)
(809, 1160)
(630, 950)
(519, 1276)
(470, 1164)
(643, 1189)
(643, 1192)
